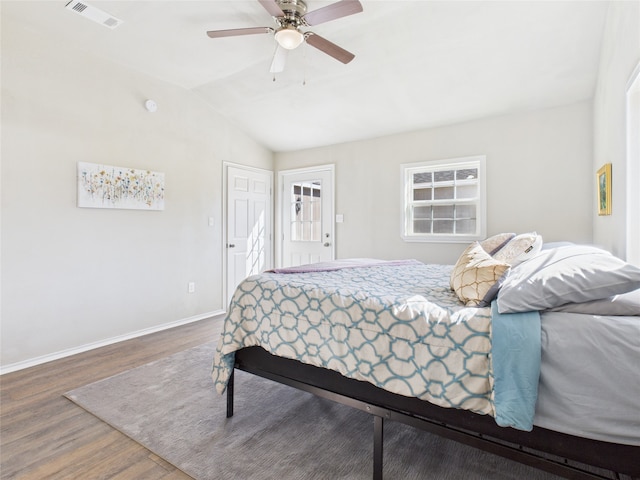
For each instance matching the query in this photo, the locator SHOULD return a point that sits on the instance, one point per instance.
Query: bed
(495, 351)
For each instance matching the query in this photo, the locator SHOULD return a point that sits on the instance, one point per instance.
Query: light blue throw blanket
(516, 366)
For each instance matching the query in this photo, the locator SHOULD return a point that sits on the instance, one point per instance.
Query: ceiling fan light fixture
(289, 37)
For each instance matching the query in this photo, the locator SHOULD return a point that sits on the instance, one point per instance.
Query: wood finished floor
(43, 435)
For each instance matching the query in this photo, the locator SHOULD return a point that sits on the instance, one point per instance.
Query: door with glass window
(306, 210)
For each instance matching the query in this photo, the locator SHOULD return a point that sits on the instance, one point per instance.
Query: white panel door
(306, 207)
(248, 243)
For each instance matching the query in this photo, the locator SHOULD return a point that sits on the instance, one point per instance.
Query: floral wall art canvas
(104, 186)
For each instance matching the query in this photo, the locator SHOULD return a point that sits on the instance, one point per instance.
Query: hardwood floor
(45, 436)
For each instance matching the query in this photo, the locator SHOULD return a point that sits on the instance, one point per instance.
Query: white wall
(72, 276)
(539, 178)
(620, 54)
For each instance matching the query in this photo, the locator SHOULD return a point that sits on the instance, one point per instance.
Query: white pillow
(571, 274)
(520, 248)
(627, 304)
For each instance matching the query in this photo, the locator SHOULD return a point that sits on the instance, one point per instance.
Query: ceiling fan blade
(238, 31)
(329, 48)
(272, 7)
(279, 59)
(334, 11)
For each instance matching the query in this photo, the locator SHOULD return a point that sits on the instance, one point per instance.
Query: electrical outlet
(191, 288)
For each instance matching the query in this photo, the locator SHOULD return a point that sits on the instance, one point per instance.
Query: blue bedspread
(515, 354)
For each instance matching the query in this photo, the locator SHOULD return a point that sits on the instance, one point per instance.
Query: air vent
(93, 13)
(79, 7)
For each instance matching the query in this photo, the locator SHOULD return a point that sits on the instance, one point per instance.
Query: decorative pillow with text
(520, 248)
(494, 243)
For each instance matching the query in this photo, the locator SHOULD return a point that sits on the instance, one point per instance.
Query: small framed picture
(604, 189)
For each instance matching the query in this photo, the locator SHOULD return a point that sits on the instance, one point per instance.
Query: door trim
(330, 167)
(225, 199)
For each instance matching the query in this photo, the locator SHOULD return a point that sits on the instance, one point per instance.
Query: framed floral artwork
(104, 186)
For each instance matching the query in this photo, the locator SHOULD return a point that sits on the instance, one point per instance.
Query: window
(443, 201)
(306, 213)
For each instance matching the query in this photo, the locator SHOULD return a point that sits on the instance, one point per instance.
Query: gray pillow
(568, 274)
(624, 304)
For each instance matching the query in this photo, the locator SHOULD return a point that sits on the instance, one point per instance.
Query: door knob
(231, 245)
(327, 244)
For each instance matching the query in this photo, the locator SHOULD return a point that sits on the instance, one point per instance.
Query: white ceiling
(418, 64)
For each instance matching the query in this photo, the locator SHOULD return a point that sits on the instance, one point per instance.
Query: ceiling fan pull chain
(304, 64)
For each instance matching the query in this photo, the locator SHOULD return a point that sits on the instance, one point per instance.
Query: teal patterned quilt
(398, 326)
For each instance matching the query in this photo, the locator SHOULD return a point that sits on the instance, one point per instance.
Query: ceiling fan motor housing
(293, 10)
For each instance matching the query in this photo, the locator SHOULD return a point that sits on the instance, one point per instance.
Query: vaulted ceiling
(418, 64)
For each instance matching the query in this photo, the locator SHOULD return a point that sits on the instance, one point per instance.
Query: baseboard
(14, 367)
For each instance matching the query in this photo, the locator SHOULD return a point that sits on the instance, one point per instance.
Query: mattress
(590, 376)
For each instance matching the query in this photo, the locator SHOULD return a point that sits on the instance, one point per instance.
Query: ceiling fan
(290, 17)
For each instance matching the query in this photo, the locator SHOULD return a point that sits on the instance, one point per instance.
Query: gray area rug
(277, 432)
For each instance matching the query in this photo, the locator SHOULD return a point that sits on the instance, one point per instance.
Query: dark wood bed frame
(561, 454)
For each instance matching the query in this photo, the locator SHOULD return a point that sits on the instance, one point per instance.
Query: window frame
(407, 172)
